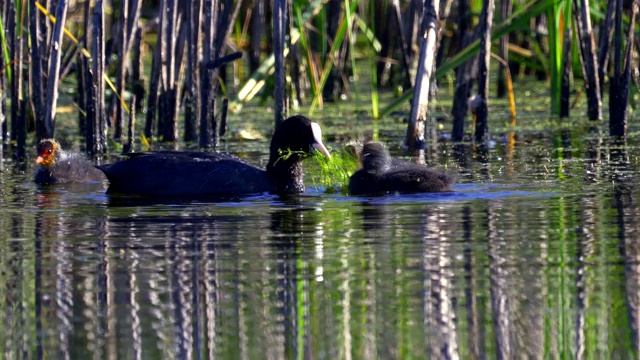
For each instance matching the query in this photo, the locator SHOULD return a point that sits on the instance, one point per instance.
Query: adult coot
(382, 174)
(197, 174)
(55, 165)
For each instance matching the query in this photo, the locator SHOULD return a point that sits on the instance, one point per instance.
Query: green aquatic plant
(559, 16)
(5, 45)
(334, 173)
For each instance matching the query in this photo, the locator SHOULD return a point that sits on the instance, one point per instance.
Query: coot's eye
(49, 151)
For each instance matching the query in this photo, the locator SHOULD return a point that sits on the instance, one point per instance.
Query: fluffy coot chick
(197, 174)
(382, 174)
(54, 165)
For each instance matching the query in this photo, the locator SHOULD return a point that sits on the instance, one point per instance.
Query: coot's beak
(317, 137)
(320, 147)
(39, 160)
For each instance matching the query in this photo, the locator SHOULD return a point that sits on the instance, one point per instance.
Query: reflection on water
(526, 259)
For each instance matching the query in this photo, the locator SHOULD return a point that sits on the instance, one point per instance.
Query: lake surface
(534, 255)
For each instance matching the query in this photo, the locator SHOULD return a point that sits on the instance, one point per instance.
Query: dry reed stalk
(279, 33)
(193, 14)
(506, 7)
(54, 68)
(37, 86)
(486, 21)
(426, 61)
(152, 99)
(98, 122)
(606, 33)
(206, 98)
(85, 85)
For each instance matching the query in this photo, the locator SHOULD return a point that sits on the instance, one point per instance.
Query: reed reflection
(52, 298)
(139, 267)
(593, 155)
(462, 156)
(462, 276)
(390, 233)
(292, 230)
(439, 312)
(16, 274)
(500, 299)
(586, 239)
(627, 213)
(474, 332)
(473, 160)
(500, 276)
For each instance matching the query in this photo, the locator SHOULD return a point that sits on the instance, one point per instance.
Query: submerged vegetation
(93, 53)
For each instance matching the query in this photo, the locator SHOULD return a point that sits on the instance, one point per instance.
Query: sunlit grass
(559, 16)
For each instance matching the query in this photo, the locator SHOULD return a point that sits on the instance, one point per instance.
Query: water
(535, 255)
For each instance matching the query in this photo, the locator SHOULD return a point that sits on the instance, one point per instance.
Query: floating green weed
(332, 173)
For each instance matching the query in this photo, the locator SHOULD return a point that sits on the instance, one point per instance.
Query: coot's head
(296, 137)
(354, 149)
(375, 158)
(48, 150)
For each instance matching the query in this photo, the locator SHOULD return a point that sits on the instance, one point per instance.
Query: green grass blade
(5, 50)
(304, 44)
(375, 49)
(257, 79)
(351, 39)
(368, 32)
(375, 104)
(328, 64)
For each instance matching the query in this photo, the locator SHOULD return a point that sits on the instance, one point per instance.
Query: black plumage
(173, 173)
(381, 174)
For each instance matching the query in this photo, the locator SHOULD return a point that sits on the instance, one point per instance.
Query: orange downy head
(46, 152)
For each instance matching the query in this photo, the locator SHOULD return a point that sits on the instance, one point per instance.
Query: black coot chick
(197, 174)
(55, 165)
(382, 174)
